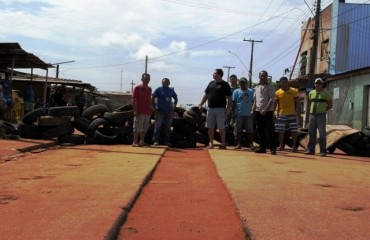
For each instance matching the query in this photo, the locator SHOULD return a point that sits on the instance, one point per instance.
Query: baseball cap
(319, 80)
(243, 79)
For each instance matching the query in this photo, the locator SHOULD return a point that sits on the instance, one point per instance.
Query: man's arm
(204, 99)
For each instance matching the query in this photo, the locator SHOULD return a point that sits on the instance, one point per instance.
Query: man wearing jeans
(320, 102)
(162, 103)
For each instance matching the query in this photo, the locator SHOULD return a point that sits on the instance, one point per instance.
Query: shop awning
(13, 56)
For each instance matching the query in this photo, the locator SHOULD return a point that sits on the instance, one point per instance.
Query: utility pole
(313, 58)
(120, 85)
(251, 63)
(132, 86)
(228, 72)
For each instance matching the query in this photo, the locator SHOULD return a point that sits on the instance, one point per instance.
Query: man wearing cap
(242, 108)
(320, 102)
(287, 108)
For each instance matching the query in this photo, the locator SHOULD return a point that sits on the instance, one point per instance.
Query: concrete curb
(117, 225)
(37, 146)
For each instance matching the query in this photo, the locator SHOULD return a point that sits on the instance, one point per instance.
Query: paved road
(84, 192)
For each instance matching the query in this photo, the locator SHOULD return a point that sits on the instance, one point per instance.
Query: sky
(109, 40)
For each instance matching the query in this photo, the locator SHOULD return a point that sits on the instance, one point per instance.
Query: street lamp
(236, 55)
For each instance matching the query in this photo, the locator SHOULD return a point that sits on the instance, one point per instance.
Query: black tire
(99, 110)
(94, 125)
(105, 136)
(58, 131)
(9, 128)
(177, 123)
(345, 147)
(185, 143)
(331, 149)
(81, 124)
(114, 119)
(64, 111)
(190, 118)
(73, 139)
(30, 131)
(197, 114)
(125, 108)
(32, 116)
(199, 138)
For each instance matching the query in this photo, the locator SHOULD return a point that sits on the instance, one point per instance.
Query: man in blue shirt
(164, 108)
(242, 108)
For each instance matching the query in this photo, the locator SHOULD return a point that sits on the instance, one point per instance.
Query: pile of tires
(356, 144)
(48, 124)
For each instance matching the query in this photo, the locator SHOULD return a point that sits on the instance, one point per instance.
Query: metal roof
(22, 59)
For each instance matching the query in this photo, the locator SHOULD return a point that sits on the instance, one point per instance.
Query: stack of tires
(48, 124)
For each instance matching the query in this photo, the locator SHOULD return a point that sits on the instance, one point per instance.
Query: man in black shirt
(218, 94)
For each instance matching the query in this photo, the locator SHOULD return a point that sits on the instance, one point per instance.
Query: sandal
(135, 145)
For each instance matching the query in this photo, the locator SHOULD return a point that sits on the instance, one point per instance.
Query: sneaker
(322, 154)
(309, 153)
(168, 144)
(273, 152)
(209, 147)
(260, 150)
(222, 147)
(155, 143)
(238, 147)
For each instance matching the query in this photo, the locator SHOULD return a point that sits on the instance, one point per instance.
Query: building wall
(350, 97)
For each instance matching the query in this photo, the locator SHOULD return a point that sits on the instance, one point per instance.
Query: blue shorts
(216, 117)
(284, 120)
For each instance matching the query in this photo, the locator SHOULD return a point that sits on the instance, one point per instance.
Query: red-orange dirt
(185, 199)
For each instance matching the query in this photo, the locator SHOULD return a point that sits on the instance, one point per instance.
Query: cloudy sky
(183, 40)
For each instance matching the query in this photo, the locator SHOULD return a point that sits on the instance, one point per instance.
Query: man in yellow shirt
(287, 107)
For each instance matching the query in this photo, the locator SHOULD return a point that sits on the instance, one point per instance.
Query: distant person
(287, 107)
(242, 108)
(320, 102)
(231, 117)
(80, 100)
(164, 110)
(29, 100)
(218, 94)
(3, 105)
(233, 82)
(263, 112)
(142, 106)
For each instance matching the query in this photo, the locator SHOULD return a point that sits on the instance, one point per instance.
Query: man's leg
(211, 135)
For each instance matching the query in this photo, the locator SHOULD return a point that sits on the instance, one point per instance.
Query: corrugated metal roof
(10, 52)
(353, 37)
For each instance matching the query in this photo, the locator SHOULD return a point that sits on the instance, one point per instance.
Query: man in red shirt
(141, 101)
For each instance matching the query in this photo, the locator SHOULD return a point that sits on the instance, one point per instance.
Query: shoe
(209, 147)
(309, 153)
(238, 147)
(222, 147)
(168, 144)
(135, 145)
(322, 154)
(273, 152)
(260, 150)
(294, 150)
(280, 149)
(155, 143)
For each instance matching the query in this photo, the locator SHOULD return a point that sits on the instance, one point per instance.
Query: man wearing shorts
(287, 107)
(242, 108)
(218, 94)
(142, 105)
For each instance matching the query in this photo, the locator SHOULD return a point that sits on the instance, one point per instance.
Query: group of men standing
(245, 108)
